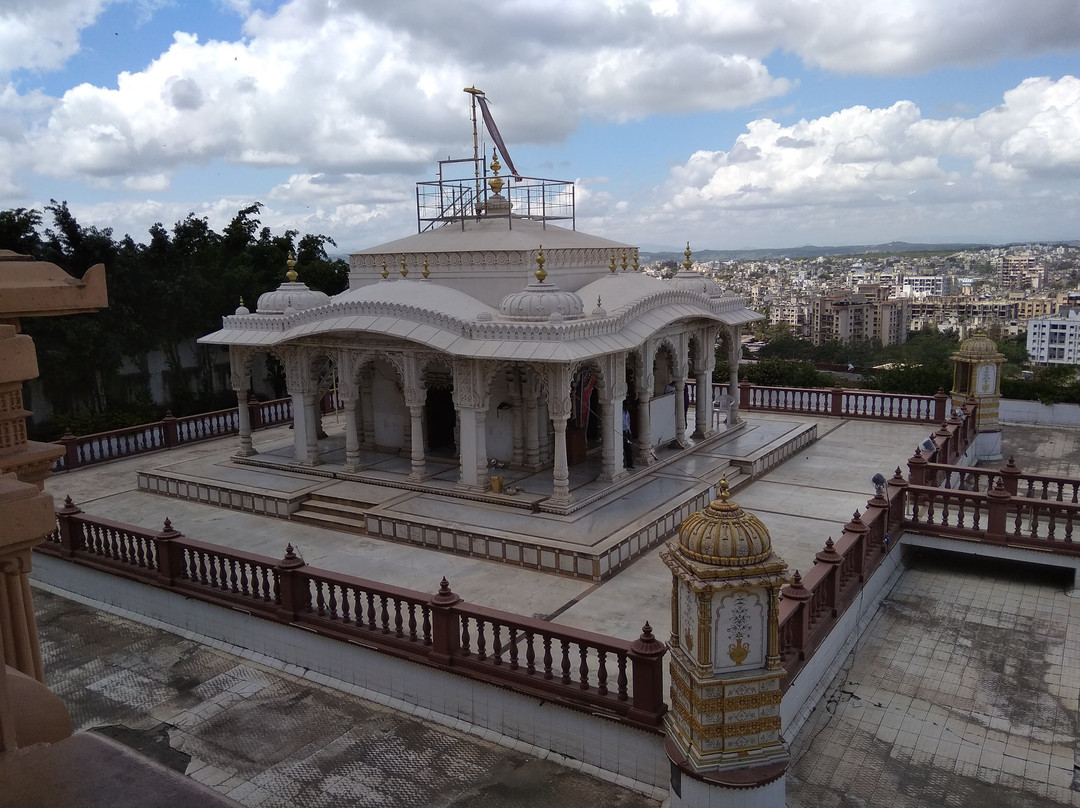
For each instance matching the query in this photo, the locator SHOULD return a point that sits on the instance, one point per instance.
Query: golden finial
(540, 273)
(624, 261)
(496, 182)
(404, 269)
(724, 494)
(598, 301)
(241, 300)
(636, 267)
(425, 273)
(291, 275)
(385, 271)
(687, 264)
(611, 266)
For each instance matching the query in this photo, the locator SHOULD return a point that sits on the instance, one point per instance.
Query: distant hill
(813, 251)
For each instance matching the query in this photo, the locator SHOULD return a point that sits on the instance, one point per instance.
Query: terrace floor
(845, 755)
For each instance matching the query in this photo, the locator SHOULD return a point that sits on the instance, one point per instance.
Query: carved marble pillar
(418, 469)
(481, 446)
(367, 412)
(532, 433)
(517, 422)
(240, 360)
(704, 363)
(311, 428)
(680, 411)
(471, 406)
(643, 449)
(467, 425)
(734, 355)
(352, 434)
(612, 396)
(558, 386)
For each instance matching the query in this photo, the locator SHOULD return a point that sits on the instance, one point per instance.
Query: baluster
(371, 610)
(530, 653)
(398, 623)
(466, 649)
(601, 673)
(565, 661)
(481, 640)
(513, 648)
(547, 657)
(1017, 522)
(244, 579)
(1033, 523)
(332, 604)
(412, 621)
(583, 669)
(320, 602)
(1051, 524)
(944, 511)
(269, 592)
(427, 624)
(620, 681)
(496, 643)
(347, 596)
(201, 557)
(1068, 526)
(384, 615)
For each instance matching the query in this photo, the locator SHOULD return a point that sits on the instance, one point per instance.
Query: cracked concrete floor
(267, 738)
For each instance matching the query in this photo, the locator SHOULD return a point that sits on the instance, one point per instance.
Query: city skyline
(737, 126)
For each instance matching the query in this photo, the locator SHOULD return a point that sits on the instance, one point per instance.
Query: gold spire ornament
(624, 261)
(425, 273)
(404, 269)
(291, 275)
(637, 267)
(496, 182)
(611, 266)
(385, 272)
(540, 273)
(687, 264)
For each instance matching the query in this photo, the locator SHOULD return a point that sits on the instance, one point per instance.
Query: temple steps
(335, 513)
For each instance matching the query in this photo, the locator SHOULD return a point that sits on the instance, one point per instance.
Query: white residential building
(1055, 340)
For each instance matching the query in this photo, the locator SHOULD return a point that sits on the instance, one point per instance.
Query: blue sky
(747, 123)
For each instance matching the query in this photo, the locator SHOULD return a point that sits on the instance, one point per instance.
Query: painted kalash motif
(725, 664)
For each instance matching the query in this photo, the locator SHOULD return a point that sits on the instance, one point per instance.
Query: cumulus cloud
(43, 34)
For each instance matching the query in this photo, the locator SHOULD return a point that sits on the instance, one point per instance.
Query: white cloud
(43, 34)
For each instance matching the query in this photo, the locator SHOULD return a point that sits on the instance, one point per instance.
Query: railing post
(799, 593)
(828, 555)
(170, 432)
(857, 526)
(997, 506)
(941, 402)
(445, 625)
(837, 401)
(71, 538)
(917, 468)
(254, 413)
(744, 396)
(71, 450)
(647, 663)
(169, 560)
(896, 489)
(292, 585)
(1010, 476)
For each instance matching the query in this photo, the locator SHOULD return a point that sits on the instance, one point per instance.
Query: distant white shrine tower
(724, 737)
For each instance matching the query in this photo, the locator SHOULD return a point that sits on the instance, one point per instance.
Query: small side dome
(689, 280)
(976, 346)
(292, 296)
(541, 300)
(724, 534)
(241, 309)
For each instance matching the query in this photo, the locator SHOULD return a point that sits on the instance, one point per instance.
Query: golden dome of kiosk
(977, 346)
(724, 534)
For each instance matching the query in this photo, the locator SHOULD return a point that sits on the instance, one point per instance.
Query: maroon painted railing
(575, 668)
(85, 450)
(1016, 482)
(812, 604)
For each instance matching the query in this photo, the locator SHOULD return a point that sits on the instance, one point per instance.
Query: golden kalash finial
(624, 261)
(496, 182)
(425, 273)
(611, 266)
(540, 273)
(291, 275)
(687, 264)
(385, 271)
(404, 269)
(724, 493)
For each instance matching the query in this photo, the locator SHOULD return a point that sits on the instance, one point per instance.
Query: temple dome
(539, 301)
(691, 281)
(724, 534)
(292, 296)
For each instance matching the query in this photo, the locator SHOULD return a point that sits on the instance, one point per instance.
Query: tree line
(163, 293)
